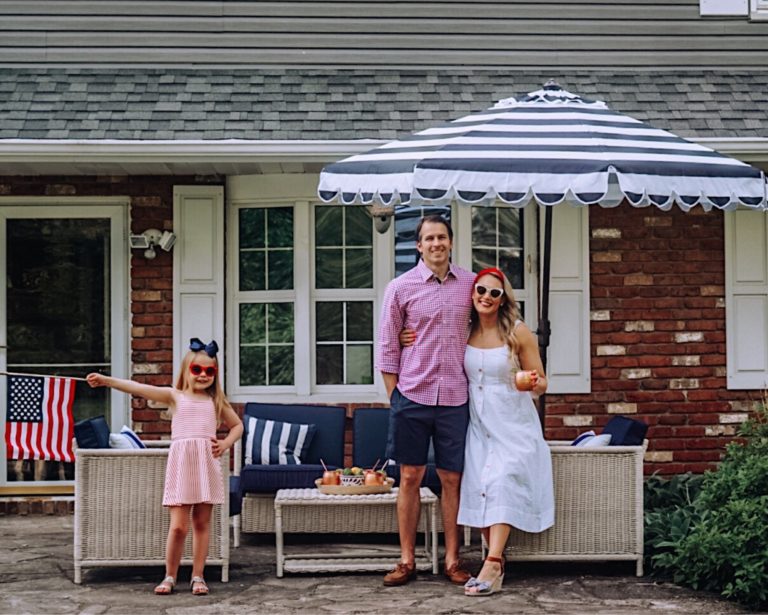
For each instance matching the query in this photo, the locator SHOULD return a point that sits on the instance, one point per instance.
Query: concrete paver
(36, 571)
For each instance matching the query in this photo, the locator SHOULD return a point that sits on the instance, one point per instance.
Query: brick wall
(658, 337)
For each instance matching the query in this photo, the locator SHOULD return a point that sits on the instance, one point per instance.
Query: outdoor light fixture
(382, 217)
(153, 237)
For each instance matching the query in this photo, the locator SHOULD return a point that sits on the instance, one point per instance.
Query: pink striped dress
(193, 475)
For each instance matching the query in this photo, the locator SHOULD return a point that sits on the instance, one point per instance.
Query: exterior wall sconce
(153, 237)
(382, 217)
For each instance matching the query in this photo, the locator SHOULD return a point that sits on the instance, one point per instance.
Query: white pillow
(604, 439)
(127, 438)
(582, 438)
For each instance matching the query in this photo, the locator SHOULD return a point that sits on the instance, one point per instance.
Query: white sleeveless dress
(507, 464)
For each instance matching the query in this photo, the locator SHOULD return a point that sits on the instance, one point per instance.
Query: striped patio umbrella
(551, 147)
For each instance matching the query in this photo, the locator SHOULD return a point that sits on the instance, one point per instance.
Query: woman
(507, 477)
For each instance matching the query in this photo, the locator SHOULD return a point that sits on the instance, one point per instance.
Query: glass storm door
(60, 269)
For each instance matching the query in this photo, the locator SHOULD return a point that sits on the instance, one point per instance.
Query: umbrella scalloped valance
(549, 146)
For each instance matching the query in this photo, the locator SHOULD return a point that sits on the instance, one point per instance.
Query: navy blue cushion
(268, 479)
(328, 442)
(235, 496)
(369, 436)
(92, 433)
(369, 443)
(625, 431)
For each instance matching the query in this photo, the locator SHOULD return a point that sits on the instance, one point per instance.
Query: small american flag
(39, 421)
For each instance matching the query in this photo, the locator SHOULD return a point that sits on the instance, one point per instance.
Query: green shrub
(716, 538)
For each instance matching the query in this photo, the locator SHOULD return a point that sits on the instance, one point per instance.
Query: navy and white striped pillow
(274, 443)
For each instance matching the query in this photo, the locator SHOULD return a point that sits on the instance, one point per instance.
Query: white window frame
(344, 295)
(116, 209)
(461, 216)
(297, 191)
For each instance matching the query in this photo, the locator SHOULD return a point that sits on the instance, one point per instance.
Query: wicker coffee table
(309, 511)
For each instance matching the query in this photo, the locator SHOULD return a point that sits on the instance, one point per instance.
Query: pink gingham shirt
(431, 371)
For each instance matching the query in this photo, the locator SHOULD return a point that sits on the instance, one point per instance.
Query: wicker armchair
(119, 516)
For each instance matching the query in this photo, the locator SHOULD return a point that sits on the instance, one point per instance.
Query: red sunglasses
(196, 370)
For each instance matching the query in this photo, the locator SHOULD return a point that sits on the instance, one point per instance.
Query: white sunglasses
(495, 293)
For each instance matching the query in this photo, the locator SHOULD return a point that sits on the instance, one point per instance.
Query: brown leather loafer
(402, 574)
(456, 574)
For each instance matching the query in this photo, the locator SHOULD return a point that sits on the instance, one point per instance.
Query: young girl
(193, 478)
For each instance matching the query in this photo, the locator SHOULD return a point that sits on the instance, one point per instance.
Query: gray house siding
(637, 34)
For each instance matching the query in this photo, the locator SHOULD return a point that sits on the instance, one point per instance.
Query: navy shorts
(411, 426)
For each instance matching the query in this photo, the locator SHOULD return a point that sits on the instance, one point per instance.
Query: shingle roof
(187, 104)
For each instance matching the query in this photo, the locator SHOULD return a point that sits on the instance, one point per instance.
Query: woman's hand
(407, 337)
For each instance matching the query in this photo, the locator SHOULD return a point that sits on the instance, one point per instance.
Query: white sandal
(166, 586)
(202, 586)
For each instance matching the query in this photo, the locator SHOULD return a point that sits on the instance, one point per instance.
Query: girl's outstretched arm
(163, 395)
(232, 421)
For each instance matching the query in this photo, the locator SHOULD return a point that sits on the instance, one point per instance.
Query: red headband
(496, 273)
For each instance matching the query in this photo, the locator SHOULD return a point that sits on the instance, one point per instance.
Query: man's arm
(390, 382)
(388, 348)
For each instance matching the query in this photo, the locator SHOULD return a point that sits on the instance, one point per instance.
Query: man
(427, 387)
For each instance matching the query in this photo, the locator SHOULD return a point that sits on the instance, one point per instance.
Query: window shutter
(198, 268)
(746, 299)
(568, 363)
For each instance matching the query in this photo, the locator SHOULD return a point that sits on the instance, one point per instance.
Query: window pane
(328, 265)
(252, 323)
(280, 269)
(511, 263)
(328, 226)
(253, 365)
(329, 364)
(484, 226)
(252, 228)
(280, 323)
(329, 316)
(360, 321)
(359, 268)
(252, 271)
(280, 227)
(266, 344)
(360, 364)
(482, 259)
(280, 365)
(358, 227)
(510, 227)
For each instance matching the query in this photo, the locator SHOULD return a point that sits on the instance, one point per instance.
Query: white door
(63, 311)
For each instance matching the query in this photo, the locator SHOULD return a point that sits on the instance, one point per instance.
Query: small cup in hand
(525, 380)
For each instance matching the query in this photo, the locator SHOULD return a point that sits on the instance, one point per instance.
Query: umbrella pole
(543, 331)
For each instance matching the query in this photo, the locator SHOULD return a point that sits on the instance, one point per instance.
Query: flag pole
(41, 376)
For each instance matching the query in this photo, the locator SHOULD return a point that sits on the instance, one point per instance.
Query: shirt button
(482, 495)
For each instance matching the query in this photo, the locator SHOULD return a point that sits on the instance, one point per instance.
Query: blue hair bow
(196, 345)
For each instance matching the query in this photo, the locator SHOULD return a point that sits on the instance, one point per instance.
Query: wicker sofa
(257, 484)
(119, 516)
(598, 508)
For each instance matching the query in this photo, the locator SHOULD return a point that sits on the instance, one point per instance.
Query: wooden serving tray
(355, 489)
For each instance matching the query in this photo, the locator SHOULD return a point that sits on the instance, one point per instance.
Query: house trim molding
(44, 151)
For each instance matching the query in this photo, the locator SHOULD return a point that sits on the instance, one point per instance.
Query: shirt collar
(426, 273)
